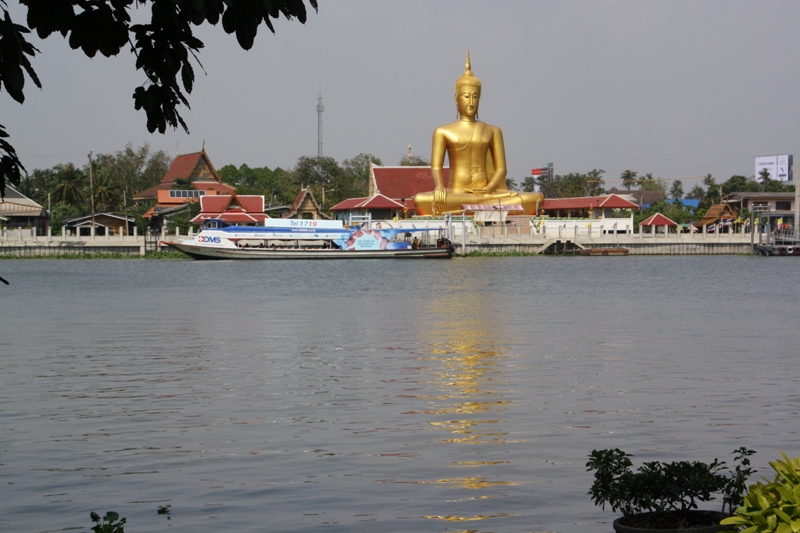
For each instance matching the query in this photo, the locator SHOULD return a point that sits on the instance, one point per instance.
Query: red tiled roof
(611, 201)
(658, 220)
(350, 203)
(183, 166)
(232, 208)
(250, 203)
(378, 201)
(405, 182)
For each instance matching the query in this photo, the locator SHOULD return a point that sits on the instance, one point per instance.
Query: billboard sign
(778, 166)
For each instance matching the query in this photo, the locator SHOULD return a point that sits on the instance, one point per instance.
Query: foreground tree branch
(164, 47)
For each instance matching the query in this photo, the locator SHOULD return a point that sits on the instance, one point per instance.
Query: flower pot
(672, 522)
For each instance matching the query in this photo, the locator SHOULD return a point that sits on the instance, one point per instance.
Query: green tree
(135, 169)
(106, 193)
(697, 193)
(649, 183)
(739, 184)
(322, 173)
(71, 182)
(676, 191)
(766, 179)
(572, 185)
(511, 184)
(162, 40)
(595, 182)
(357, 171)
(27, 186)
(628, 179)
(61, 212)
(529, 184)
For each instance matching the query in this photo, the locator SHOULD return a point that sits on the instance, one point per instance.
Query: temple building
(199, 171)
(391, 192)
(233, 209)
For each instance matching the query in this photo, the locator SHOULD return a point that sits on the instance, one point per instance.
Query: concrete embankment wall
(685, 248)
(635, 244)
(56, 249)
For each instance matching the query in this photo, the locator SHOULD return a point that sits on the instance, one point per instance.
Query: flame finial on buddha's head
(468, 78)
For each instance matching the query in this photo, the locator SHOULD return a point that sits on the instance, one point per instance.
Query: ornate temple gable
(717, 212)
(306, 206)
(204, 170)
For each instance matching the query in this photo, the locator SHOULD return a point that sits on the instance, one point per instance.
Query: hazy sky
(678, 88)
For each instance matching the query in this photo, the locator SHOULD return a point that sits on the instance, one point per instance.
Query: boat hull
(203, 252)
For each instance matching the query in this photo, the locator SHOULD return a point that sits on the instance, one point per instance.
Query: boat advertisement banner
(372, 240)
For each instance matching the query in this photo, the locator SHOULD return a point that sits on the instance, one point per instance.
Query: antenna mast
(320, 109)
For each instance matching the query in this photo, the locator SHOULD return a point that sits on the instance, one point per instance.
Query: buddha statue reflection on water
(477, 159)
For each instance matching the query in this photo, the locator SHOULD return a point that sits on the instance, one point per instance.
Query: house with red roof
(595, 207)
(608, 213)
(195, 167)
(199, 171)
(233, 209)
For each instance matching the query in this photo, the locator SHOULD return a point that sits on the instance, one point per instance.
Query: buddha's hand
(439, 195)
(479, 190)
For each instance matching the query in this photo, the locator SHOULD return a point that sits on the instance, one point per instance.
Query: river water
(391, 396)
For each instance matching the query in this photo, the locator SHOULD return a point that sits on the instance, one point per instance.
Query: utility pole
(320, 109)
(91, 192)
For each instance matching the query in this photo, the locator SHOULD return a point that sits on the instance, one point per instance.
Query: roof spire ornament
(467, 78)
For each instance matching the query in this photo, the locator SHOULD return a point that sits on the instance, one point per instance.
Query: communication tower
(320, 109)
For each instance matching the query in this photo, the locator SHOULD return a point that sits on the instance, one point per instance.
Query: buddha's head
(468, 92)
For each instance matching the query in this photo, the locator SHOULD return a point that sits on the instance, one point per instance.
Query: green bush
(656, 486)
(772, 507)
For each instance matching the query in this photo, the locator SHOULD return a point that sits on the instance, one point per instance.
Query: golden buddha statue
(477, 159)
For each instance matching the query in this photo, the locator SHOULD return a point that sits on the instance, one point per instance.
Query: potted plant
(663, 497)
(772, 507)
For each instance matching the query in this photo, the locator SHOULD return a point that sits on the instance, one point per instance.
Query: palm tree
(511, 184)
(697, 193)
(676, 192)
(529, 184)
(765, 179)
(69, 186)
(595, 182)
(628, 179)
(106, 192)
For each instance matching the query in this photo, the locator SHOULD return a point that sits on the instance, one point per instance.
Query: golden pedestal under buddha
(477, 158)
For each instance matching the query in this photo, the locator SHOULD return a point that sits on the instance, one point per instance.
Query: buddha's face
(467, 100)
